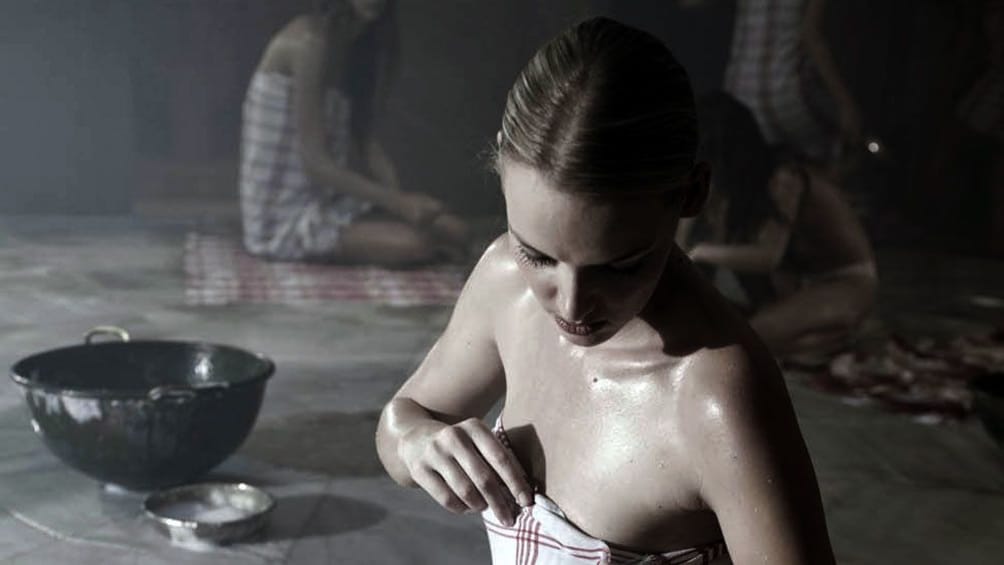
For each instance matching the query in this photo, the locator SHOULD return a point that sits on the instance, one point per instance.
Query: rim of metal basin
(19, 376)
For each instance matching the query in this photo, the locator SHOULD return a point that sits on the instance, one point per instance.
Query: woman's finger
(503, 462)
(489, 484)
(433, 483)
(460, 483)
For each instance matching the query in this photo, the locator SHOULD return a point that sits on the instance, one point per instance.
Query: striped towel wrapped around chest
(285, 214)
(542, 535)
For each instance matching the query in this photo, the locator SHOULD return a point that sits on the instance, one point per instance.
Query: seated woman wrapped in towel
(642, 420)
(315, 182)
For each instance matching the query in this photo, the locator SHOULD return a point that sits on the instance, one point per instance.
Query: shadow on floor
(329, 515)
(336, 444)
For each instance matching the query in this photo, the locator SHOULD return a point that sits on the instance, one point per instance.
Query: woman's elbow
(387, 447)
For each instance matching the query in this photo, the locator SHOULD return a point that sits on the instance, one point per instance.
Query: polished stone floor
(895, 491)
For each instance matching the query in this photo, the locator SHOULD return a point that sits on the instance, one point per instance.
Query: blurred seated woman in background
(790, 236)
(315, 183)
(642, 420)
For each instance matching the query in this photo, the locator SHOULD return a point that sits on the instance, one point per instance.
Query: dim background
(124, 106)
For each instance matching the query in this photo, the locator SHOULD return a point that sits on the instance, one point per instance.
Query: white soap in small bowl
(202, 516)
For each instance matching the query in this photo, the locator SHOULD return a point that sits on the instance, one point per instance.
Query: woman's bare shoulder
(304, 26)
(302, 32)
(492, 285)
(742, 435)
(730, 386)
(496, 274)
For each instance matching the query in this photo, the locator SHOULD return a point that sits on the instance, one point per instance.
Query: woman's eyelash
(531, 258)
(538, 261)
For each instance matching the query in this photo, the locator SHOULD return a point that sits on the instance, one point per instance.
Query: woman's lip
(577, 329)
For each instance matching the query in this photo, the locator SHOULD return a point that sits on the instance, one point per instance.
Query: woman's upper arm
(755, 471)
(786, 192)
(380, 165)
(309, 62)
(462, 375)
(683, 231)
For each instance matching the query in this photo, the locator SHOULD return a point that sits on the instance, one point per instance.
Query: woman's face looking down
(592, 261)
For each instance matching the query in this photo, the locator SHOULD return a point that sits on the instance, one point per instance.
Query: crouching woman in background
(799, 250)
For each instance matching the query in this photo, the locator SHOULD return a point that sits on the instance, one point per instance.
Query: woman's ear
(696, 192)
(498, 138)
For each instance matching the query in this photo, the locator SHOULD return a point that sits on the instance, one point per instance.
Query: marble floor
(895, 491)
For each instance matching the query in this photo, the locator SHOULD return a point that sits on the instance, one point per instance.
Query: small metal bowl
(209, 514)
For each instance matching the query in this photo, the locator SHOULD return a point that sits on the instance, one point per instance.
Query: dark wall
(109, 101)
(66, 126)
(458, 61)
(189, 65)
(698, 36)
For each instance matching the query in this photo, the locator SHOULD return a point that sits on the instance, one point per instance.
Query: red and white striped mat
(219, 271)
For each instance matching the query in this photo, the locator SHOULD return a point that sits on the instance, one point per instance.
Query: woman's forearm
(327, 173)
(745, 258)
(401, 419)
(683, 230)
(381, 166)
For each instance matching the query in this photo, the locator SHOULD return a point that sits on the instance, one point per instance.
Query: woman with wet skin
(316, 183)
(642, 418)
(798, 247)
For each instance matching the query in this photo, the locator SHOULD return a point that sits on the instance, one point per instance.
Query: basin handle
(105, 330)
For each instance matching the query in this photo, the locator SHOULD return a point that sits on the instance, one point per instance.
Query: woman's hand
(697, 253)
(416, 208)
(451, 228)
(466, 469)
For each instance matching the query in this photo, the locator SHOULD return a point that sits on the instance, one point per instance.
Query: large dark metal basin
(143, 415)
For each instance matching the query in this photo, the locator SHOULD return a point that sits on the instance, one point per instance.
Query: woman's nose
(573, 298)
